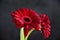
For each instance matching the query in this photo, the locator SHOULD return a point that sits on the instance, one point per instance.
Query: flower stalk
(29, 33)
(22, 33)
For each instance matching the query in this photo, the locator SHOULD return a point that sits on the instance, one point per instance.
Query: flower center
(27, 20)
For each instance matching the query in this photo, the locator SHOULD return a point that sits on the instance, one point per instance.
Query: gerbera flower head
(26, 18)
(45, 23)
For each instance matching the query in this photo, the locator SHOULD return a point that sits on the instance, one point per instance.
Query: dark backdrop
(8, 31)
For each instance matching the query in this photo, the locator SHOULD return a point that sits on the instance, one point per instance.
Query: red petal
(14, 15)
(36, 21)
(46, 33)
(25, 11)
(17, 13)
(30, 27)
(20, 13)
(36, 26)
(33, 15)
(19, 20)
(44, 19)
(26, 30)
(18, 24)
(47, 26)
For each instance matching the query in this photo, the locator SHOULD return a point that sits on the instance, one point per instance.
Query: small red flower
(45, 23)
(26, 18)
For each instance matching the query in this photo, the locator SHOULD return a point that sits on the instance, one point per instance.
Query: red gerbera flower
(26, 18)
(45, 23)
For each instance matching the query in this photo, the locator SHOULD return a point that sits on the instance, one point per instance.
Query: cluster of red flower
(29, 19)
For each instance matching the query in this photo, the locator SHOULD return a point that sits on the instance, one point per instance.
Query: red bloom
(45, 23)
(26, 18)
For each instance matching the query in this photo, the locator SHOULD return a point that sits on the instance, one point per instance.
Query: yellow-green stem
(29, 33)
(22, 33)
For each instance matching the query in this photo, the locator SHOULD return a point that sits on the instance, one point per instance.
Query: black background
(8, 31)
